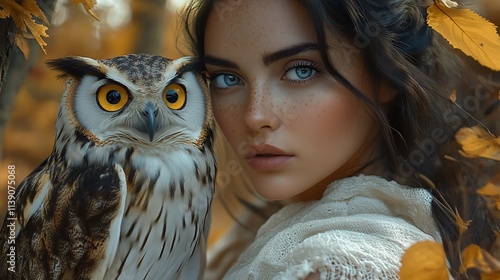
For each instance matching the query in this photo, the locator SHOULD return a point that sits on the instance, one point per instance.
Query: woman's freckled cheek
(224, 112)
(231, 118)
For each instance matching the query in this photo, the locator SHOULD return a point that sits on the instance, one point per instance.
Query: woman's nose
(260, 112)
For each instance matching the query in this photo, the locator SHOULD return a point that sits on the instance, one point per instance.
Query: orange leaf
(490, 276)
(492, 190)
(88, 5)
(38, 32)
(4, 13)
(476, 142)
(22, 15)
(22, 44)
(32, 7)
(424, 260)
(474, 256)
(462, 225)
(467, 31)
(14, 11)
(453, 96)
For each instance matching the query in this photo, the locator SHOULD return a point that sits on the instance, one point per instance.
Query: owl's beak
(150, 114)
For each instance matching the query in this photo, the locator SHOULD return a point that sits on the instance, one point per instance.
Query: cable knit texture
(358, 230)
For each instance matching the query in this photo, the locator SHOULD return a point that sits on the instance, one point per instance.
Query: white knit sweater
(358, 230)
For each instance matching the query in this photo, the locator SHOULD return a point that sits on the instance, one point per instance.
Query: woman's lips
(267, 158)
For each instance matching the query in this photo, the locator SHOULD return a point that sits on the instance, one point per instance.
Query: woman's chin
(275, 188)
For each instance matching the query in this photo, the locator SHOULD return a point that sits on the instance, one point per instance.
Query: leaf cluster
(478, 38)
(466, 30)
(31, 22)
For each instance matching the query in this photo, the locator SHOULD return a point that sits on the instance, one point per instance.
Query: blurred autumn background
(30, 95)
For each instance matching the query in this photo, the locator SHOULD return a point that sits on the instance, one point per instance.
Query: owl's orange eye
(112, 97)
(174, 96)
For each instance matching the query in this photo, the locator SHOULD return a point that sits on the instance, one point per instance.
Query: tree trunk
(13, 66)
(7, 33)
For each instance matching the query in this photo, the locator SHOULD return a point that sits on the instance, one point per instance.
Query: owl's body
(126, 192)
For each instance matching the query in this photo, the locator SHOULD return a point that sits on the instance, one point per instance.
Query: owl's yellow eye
(112, 97)
(174, 96)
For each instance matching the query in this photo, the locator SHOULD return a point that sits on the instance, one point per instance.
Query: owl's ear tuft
(77, 67)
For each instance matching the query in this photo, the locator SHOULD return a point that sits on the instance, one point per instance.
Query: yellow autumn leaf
(474, 256)
(453, 96)
(22, 15)
(476, 142)
(38, 31)
(4, 13)
(467, 31)
(31, 7)
(87, 5)
(22, 44)
(492, 190)
(490, 276)
(461, 224)
(424, 260)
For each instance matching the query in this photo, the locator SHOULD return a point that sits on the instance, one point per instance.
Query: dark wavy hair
(402, 52)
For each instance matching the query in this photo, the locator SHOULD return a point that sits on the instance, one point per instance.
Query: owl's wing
(33, 189)
(69, 222)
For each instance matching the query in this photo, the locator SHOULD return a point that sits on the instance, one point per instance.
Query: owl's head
(135, 99)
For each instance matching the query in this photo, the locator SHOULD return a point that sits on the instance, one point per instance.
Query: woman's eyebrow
(266, 58)
(217, 61)
(289, 51)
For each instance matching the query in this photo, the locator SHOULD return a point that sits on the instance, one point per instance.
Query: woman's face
(293, 127)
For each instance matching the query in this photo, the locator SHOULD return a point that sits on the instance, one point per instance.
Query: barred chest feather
(167, 210)
(166, 215)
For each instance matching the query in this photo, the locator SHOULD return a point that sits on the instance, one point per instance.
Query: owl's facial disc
(117, 104)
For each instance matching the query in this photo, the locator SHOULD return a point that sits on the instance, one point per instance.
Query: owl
(126, 191)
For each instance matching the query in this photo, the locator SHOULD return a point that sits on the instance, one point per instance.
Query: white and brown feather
(113, 205)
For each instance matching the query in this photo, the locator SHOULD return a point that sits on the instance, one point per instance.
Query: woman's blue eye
(225, 81)
(300, 73)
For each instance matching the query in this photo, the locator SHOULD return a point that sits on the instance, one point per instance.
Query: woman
(336, 106)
